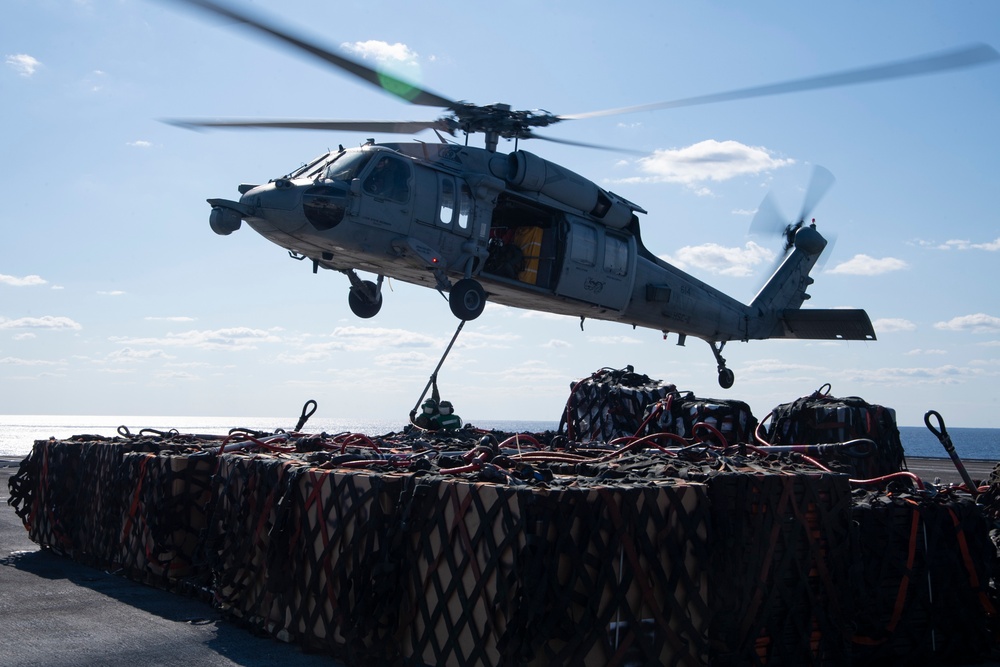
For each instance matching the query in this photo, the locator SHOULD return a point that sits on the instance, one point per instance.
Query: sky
(117, 299)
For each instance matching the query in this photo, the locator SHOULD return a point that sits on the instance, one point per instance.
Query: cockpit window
(347, 166)
(313, 165)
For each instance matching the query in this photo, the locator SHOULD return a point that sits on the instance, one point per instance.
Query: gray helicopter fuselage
(533, 234)
(460, 211)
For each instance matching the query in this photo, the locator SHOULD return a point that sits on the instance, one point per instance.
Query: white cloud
(863, 265)
(539, 371)
(614, 340)
(304, 357)
(539, 315)
(140, 143)
(395, 60)
(24, 336)
(977, 323)
(476, 340)
(45, 322)
(233, 338)
(14, 361)
(382, 52)
(23, 64)
(891, 324)
(392, 346)
(176, 375)
(939, 375)
(919, 352)
(180, 318)
(960, 244)
(95, 82)
(991, 246)
(704, 161)
(556, 344)
(354, 338)
(774, 366)
(408, 359)
(722, 260)
(127, 354)
(26, 281)
(116, 292)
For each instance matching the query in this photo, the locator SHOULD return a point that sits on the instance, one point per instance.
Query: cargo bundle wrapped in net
(679, 540)
(868, 433)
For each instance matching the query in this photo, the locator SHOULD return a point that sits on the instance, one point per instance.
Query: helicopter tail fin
(778, 304)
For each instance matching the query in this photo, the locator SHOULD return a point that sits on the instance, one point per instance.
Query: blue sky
(116, 298)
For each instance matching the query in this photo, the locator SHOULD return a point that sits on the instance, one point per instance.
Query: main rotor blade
(614, 149)
(820, 183)
(386, 126)
(391, 84)
(970, 56)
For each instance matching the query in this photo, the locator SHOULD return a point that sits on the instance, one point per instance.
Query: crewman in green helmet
(428, 417)
(447, 419)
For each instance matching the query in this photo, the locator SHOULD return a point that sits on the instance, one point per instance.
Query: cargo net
(989, 500)
(165, 499)
(476, 547)
(925, 566)
(866, 437)
(591, 574)
(610, 404)
(780, 562)
(116, 503)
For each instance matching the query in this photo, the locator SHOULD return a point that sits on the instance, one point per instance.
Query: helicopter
(516, 229)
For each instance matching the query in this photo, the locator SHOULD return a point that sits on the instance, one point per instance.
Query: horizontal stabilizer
(829, 324)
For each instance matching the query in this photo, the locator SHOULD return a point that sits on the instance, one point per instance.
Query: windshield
(347, 165)
(311, 165)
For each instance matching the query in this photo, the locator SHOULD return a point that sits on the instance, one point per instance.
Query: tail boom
(777, 305)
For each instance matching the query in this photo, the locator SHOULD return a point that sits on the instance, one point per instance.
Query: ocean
(19, 432)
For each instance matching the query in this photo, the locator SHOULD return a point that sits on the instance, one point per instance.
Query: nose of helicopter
(274, 207)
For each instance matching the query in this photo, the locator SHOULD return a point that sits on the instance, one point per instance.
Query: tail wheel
(726, 378)
(467, 299)
(361, 304)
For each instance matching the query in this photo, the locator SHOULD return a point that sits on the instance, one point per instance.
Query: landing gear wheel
(361, 305)
(726, 377)
(467, 299)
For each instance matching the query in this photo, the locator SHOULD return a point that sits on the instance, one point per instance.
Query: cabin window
(584, 249)
(389, 179)
(447, 208)
(615, 255)
(464, 206)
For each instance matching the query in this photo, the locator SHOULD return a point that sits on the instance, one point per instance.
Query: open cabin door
(599, 265)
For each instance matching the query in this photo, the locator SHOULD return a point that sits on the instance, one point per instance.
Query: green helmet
(445, 407)
(429, 406)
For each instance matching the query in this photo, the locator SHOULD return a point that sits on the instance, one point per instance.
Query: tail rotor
(770, 221)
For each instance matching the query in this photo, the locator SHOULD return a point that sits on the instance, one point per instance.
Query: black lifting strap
(433, 378)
